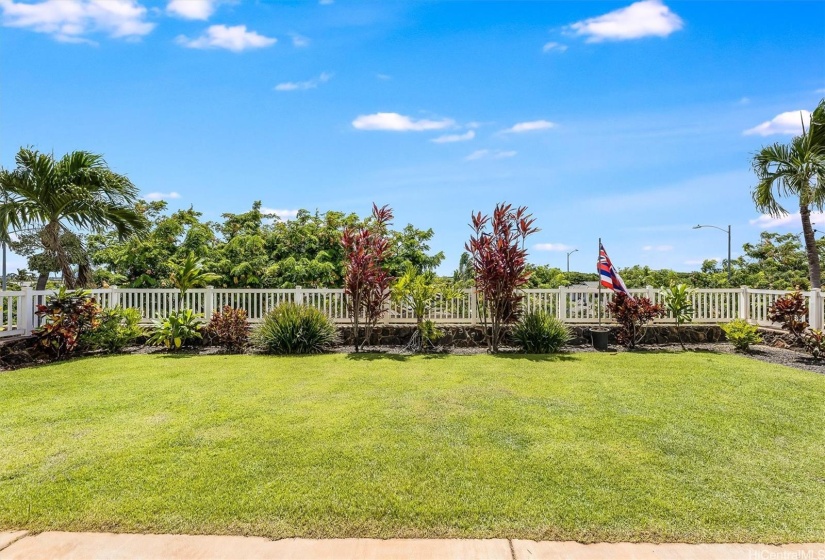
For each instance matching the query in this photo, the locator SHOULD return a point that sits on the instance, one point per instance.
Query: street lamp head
(697, 227)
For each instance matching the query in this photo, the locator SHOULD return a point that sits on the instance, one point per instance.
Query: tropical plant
(176, 329)
(420, 292)
(741, 334)
(678, 302)
(366, 280)
(295, 329)
(795, 170)
(632, 314)
(499, 262)
(791, 312)
(190, 274)
(815, 343)
(229, 328)
(58, 197)
(538, 332)
(116, 329)
(68, 316)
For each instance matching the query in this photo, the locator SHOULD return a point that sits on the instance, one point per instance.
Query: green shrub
(295, 329)
(118, 327)
(538, 332)
(741, 334)
(228, 328)
(176, 329)
(815, 343)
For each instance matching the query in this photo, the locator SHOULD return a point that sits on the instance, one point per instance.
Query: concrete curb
(94, 546)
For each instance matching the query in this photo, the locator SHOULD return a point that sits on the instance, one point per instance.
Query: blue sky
(626, 121)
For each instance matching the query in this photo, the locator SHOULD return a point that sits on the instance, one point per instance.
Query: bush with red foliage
(499, 262)
(228, 328)
(791, 312)
(632, 314)
(68, 315)
(366, 280)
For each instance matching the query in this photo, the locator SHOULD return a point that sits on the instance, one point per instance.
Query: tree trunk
(810, 247)
(42, 279)
(50, 237)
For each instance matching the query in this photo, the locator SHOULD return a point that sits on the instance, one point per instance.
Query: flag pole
(599, 301)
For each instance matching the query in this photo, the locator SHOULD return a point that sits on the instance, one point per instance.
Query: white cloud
(490, 154)
(783, 123)
(192, 9)
(235, 38)
(299, 41)
(309, 84)
(70, 20)
(469, 135)
(398, 123)
(552, 46)
(660, 248)
(744, 101)
(326, 2)
(648, 18)
(161, 196)
(552, 247)
(529, 126)
(790, 220)
(282, 213)
(820, 90)
(384, 77)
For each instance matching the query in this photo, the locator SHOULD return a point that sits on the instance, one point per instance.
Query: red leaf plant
(633, 314)
(499, 262)
(366, 280)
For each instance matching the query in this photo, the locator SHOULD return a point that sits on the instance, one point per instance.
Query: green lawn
(690, 447)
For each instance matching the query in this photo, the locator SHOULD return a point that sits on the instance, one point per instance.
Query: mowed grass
(692, 447)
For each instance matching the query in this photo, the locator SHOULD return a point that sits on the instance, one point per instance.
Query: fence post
(385, 313)
(561, 303)
(473, 306)
(208, 302)
(815, 310)
(25, 314)
(114, 297)
(651, 294)
(744, 304)
(299, 296)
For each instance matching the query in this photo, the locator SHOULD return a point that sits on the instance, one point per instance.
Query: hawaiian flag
(608, 276)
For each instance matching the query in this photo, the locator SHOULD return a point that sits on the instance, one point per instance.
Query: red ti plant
(500, 265)
(633, 314)
(366, 280)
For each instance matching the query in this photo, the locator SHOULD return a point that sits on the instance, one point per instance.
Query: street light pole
(725, 231)
(568, 260)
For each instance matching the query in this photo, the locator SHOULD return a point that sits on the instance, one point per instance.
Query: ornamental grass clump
(538, 332)
(295, 329)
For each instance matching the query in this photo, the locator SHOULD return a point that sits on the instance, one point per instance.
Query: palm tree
(796, 170)
(59, 197)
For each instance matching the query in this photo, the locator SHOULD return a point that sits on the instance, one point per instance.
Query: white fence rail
(571, 305)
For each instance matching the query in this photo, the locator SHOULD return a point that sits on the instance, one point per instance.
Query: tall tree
(76, 192)
(795, 170)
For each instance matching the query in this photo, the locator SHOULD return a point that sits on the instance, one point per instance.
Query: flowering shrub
(68, 316)
(632, 314)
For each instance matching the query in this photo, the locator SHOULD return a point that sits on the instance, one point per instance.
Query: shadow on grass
(538, 357)
(394, 357)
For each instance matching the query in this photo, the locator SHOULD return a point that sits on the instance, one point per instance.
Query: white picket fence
(571, 305)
